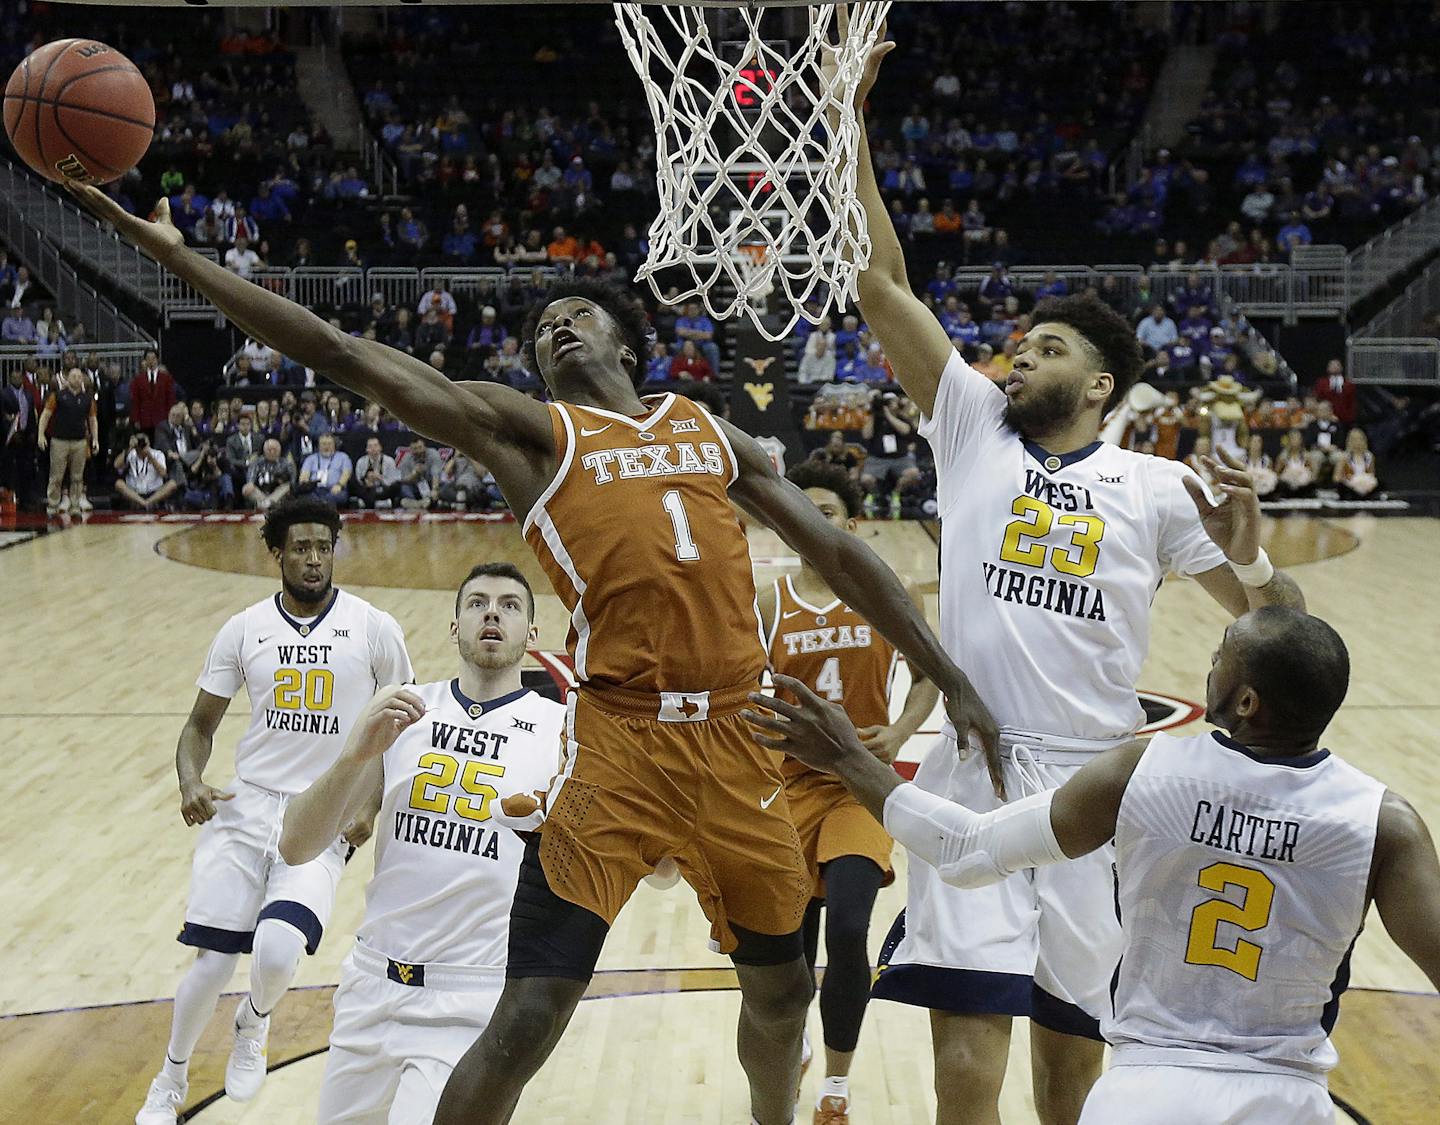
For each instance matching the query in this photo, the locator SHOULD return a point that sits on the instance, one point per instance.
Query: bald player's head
(1279, 673)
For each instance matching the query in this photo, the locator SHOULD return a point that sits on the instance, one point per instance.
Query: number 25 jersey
(1049, 564)
(638, 538)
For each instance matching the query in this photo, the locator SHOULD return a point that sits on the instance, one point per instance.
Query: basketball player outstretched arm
(967, 849)
(506, 430)
(353, 784)
(912, 339)
(1405, 883)
(859, 578)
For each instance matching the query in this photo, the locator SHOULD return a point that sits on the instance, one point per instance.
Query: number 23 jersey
(307, 679)
(1049, 564)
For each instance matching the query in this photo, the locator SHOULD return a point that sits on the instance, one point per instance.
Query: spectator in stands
(465, 484)
(18, 429)
(440, 300)
(419, 475)
(460, 244)
(327, 471)
(401, 334)
(1257, 205)
(69, 426)
(153, 391)
(922, 223)
(690, 364)
(209, 231)
(1355, 470)
(176, 438)
(188, 208)
(1294, 233)
(872, 368)
(1051, 286)
(1336, 388)
(699, 329)
(377, 480)
(436, 359)
(242, 447)
(241, 260)
(563, 247)
(836, 451)
(241, 224)
(995, 288)
(20, 290)
(1260, 467)
(488, 333)
(657, 367)
(948, 222)
(143, 484)
(411, 233)
(268, 208)
(17, 327)
(432, 335)
(977, 230)
(269, 478)
(1294, 466)
(817, 362)
(1326, 434)
(207, 484)
(1157, 330)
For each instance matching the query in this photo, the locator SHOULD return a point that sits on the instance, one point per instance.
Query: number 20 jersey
(1049, 564)
(1241, 889)
(307, 679)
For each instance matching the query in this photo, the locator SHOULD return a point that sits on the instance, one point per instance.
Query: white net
(755, 146)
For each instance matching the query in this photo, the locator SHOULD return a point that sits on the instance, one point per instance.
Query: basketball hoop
(756, 184)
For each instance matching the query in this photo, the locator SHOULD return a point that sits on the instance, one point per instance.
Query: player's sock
(834, 1086)
(278, 947)
(177, 1072)
(195, 999)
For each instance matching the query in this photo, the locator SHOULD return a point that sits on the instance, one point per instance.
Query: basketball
(79, 110)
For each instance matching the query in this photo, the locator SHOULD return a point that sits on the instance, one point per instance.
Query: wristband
(1255, 574)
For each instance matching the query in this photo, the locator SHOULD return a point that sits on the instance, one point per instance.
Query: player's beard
(301, 595)
(491, 659)
(1044, 408)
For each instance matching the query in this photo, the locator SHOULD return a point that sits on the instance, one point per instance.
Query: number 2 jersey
(638, 538)
(307, 678)
(1242, 886)
(1049, 564)
(836, 653)
(445, 867)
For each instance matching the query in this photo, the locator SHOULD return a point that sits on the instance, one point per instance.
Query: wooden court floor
(104, 628)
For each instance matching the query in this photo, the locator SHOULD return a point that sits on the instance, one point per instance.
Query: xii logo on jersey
(684, 425)
(521, 724)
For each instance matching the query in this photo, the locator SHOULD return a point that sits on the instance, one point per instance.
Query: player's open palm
(155, 238)
(394, 709)
(1234, 522)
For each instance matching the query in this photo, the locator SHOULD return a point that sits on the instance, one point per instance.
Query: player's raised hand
(156, 238)
(885, 742)
(969, 716)
(1234, 522)
(829, 60)
(812, 731)
(197, 801)
(391, 711)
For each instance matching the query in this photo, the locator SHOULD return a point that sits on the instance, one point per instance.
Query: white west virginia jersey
(1048, 564)
(307, 679)
(1242, 888)
(445, 868)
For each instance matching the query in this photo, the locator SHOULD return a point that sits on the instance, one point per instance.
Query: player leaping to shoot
(626, 502)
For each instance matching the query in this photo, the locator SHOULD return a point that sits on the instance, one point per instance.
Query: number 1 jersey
(1049, 564)
(307, 678)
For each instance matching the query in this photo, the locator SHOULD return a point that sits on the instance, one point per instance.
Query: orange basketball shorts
(831, 823)
(644, 777)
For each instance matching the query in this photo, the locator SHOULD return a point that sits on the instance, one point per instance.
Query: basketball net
(756, 182)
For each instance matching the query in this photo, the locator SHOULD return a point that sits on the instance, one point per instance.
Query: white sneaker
(85, 505)
(163, 1103)
(245, 1072)
(65, 502)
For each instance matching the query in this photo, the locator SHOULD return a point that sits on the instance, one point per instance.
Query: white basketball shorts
(394, 1045)
(1192, 1095)
(238, 879)
(1043, 943)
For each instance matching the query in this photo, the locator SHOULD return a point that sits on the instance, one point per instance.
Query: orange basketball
(79, 110)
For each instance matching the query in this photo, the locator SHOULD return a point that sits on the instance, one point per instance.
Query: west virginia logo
(405, 973)
(763, 394)
(402, 973)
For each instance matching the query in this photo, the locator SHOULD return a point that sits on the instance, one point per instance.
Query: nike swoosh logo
(592, 433)
(792, 613)
(770, 800)
(261, 640)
